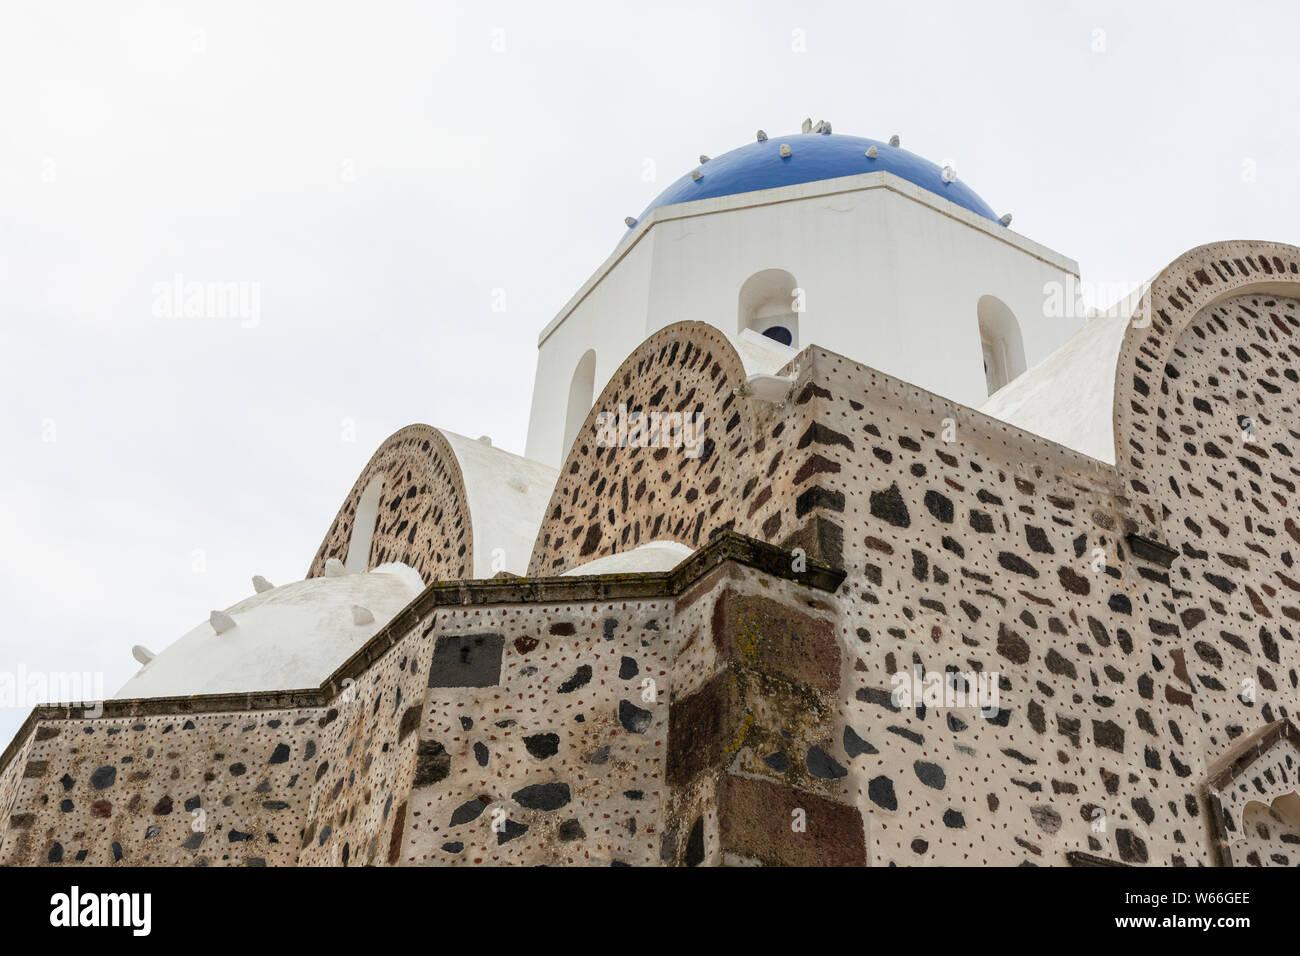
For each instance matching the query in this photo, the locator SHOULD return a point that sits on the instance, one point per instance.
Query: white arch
(582, 392)
(1000, 341)
(770, 304)
(363, 526)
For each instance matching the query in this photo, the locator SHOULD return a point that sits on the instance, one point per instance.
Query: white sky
(377, 169)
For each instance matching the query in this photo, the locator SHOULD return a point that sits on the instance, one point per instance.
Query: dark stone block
(467, 812)
(778, 639)
(1108, 734)
(696, 727)
(469, 660)
(510, 830)
(822, 765)
(694, 854)
(755, 816)
(635, 720)
(854, 745)
(881, 791)
(543, 796)
(542, 746)
(1132, 848)
(410, 721)
(580, 678)
(930, 774)
(432, 763)
(888, 505)
(103, 778)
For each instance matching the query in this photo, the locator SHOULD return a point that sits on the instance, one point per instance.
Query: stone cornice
(726, 546)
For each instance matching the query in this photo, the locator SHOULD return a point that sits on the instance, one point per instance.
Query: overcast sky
(372, 172)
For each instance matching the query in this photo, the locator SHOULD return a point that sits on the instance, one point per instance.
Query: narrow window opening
(771, 304)
(1001, 345)
(582, 392)
(363, 526)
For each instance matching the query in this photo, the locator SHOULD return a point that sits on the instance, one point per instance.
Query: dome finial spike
(762, 137)
(142, 654)
(895, 141)
(696, 175)
(629, 221)
(1006, 220)
(334, 568)
(361, 615)
(785, 151)
(261, 584)
(221, 622)
(872, 153)
(807, 126)
(703, 159)
(949, 174)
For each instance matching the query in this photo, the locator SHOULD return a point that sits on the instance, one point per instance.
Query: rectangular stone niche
(467, 660)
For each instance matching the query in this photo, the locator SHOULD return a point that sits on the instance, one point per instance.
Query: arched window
(1000, 341)
(582, 391)
(363, 526)
(770, 304)
(1266, 820)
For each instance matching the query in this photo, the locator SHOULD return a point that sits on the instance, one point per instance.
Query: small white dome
(651, 556)
(287, 638)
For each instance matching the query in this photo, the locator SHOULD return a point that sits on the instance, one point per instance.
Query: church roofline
(823, 187)
(724, 547)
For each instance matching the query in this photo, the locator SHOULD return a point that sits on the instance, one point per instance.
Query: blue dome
(814, 156)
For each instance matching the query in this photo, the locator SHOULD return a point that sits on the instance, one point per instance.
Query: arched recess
(635, 487)
(1207, 394)
(423, 517)
(582, 389)
(1259, 768)
(1180, 293)
(1265, 820)
(770, 304)
(363, 526)
(1001, 343)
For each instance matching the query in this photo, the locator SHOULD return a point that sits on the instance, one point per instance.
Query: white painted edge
(859, 182)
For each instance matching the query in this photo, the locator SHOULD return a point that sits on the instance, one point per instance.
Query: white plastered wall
(891, 275)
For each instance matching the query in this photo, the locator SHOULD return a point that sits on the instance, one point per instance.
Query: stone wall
(424, 518)
(261, 780)
(1137, 623)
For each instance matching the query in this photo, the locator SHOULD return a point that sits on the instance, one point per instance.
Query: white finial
(762, 137)
(142, 654)
(785, 150)
(696, 175)
(221, 621)
(361, 615)
(261, 584)
(949, 174)
(1006, 220)
(485, 440)
(806, 127)
(334, 568)
(629, 221)
(894, 140)
(872, 153)
(703, 159)
(822, 127)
